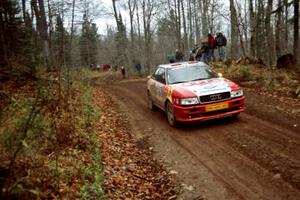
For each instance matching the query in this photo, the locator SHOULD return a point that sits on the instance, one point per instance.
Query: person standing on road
(221, 42)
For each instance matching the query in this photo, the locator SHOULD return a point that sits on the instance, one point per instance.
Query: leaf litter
(131, 172)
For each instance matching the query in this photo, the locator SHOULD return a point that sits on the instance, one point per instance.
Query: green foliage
(23, 129)
(88, 42)
(93, 176)
(17, 48)
(245, 74)
(61, 44)
(121, 42)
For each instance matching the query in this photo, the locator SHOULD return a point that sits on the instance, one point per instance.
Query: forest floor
(76, 147)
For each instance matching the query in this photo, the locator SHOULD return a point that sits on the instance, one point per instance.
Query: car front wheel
(170, 115)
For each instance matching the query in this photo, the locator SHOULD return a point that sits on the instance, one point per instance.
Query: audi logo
(215, 97)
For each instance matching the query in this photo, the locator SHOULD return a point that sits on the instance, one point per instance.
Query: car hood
(204, 87)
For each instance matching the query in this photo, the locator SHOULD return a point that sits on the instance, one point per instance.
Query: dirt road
(254, 157)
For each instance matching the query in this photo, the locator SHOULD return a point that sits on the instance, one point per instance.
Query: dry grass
(279, 81)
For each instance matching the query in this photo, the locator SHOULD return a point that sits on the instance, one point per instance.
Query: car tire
(150, 102)
(170, 115)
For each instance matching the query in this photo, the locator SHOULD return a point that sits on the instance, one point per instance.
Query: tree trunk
(72, 23)
(185, 37)
(190, 19)
(260, 42)
(286, 27)
(131, 13)
(146, 40)
(296, 30)
(131, 6)
(178, 23)
(234, 31)
(50, 16)
(147, 17)
(3, 44)
(269, 34)
(278, 29)
(204, 10)
(44, 33)
(196, 18)
(138, 22)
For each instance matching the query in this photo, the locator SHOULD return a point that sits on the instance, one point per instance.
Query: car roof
(182, 64)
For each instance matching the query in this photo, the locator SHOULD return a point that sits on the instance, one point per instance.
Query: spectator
(192, 56)
(203, 52)
(221, 42)
(211, 47)
(171, 57)
(106, 67)
(178, 56)
(138, 68)
(123, 71)
(193, 52)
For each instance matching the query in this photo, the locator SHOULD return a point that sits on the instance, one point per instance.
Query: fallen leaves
(130, 172)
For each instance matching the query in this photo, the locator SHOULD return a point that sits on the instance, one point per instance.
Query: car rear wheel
(150, 102)
(170, 115)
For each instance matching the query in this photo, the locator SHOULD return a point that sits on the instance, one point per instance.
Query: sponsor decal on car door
(161, 94)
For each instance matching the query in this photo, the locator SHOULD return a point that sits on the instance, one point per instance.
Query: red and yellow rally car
(192, 91)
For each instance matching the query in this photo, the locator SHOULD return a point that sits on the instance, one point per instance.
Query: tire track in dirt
(240, 157)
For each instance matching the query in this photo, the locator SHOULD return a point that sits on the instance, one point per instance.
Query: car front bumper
(216, 110)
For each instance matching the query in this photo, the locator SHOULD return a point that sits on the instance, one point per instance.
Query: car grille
(214, 97)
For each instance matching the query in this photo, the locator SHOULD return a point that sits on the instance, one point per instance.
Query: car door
(152, 85)
(160, 88)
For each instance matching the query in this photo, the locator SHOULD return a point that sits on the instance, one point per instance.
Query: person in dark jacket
(123, 71)
(138, 68)
(178, 56)
(221, 42)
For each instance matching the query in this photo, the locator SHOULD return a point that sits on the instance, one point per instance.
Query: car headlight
(189, 101)
(237, 93)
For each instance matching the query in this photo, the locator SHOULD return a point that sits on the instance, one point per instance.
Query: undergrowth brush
(48, 147)
(278, 81)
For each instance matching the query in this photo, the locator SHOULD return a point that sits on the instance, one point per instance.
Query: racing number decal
(160, 93)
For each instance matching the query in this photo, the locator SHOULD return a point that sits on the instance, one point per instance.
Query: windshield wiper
(200, 79)
(179, 82)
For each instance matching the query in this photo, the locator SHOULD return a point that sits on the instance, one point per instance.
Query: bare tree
(148, 8)
(43, 29)
(296, 30)
(278, 29)
(269, 33)
(185, 35)
(234, 30)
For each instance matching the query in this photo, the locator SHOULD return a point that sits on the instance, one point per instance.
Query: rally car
(192, 91)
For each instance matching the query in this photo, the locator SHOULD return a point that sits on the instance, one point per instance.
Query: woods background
(64, 33)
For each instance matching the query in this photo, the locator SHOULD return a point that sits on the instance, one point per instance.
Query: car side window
(159, 75)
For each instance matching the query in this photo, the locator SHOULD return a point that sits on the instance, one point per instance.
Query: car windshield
(190, 73)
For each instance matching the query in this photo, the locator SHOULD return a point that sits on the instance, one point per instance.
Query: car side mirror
(220, 75)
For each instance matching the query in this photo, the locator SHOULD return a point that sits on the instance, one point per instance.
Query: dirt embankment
(254, 157)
